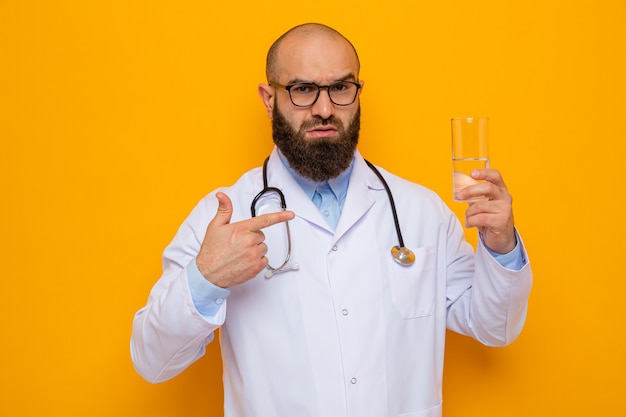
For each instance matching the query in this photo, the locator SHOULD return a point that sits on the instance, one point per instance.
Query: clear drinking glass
(469, 151)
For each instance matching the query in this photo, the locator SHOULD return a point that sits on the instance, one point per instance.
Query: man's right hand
(232, 253)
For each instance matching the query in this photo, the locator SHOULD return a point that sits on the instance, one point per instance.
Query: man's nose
(323, 107)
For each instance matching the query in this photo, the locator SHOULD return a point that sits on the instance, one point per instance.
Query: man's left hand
(492, 214)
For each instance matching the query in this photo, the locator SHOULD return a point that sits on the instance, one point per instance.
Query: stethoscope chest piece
(402, 255)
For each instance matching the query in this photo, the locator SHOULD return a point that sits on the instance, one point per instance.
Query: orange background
(117, 116)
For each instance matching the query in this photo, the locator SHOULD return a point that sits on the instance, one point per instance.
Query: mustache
(318, 122)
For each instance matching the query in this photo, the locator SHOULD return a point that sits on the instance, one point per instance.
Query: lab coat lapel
(359, 198)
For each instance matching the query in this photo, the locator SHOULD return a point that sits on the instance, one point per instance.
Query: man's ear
(266, 92)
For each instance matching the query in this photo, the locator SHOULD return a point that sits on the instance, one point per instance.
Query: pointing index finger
(269, 219)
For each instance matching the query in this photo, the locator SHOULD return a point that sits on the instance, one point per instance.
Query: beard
(318, 159)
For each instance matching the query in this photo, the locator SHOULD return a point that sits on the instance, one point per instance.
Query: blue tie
(327, 203)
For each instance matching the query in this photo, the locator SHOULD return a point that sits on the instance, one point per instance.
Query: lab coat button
(344, 312)
(335, 248)
(353, 381)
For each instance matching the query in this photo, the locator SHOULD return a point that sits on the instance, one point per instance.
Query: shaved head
(307, 30)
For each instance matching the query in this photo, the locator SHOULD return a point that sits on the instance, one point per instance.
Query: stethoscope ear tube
(265, 190)
(283, 204)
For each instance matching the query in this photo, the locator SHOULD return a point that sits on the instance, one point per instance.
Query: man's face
(318, 141)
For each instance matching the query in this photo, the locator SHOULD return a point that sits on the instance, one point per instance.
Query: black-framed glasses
(341, 93)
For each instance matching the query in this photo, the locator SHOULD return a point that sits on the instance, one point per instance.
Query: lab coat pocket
(413, 287)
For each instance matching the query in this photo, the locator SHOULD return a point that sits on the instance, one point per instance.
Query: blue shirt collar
(339, 184)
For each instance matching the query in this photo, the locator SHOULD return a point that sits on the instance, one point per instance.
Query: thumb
(224, 211)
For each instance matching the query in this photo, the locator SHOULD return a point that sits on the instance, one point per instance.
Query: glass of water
(469, 151)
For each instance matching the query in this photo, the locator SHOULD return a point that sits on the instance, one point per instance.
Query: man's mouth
(327, 131)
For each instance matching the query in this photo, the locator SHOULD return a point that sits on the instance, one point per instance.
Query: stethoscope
(400, 253)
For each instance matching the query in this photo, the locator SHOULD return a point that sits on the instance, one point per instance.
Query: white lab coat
(349, 334)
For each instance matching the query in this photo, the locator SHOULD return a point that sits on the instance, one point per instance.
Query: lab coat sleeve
(499, 299)
(486, 300)
(169, 333)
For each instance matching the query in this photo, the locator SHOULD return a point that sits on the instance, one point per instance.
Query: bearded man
(317, 317)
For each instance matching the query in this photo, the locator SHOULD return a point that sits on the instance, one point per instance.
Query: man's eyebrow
(347, 77)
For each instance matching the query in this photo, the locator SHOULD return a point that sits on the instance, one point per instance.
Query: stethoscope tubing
(394, 212)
